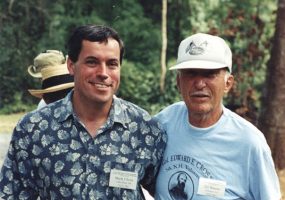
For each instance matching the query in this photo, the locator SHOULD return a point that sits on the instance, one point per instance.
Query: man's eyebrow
(95, 58)
(91, 57)
(114, 59)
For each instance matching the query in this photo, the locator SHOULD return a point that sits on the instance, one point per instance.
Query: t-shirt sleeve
(264, 183)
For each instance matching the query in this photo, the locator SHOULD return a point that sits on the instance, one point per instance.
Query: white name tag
(123, 179)
(210, 187)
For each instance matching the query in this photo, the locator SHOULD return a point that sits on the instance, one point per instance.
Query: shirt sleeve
(15, 182)
(264, 182)
(151, 171)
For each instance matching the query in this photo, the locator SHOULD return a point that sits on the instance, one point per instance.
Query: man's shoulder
(245, 128)
(238, 120)
(174, 107)
(130, 107)
(49, 112)
(134, 113)
(172, 111)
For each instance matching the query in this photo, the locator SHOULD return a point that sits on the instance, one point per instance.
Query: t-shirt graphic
(177, 184)
(180, 174)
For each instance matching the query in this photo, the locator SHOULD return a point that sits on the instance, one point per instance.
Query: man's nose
(102, 70)
(199, 82)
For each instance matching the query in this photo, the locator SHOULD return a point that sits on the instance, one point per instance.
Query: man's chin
(100, 99)
(200, 110)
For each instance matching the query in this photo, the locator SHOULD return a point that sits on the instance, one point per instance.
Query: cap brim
(198, 64)
(34, 74)
(39, 93)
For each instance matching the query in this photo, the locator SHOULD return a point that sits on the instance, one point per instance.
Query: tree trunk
(164, 44)
(272, 118)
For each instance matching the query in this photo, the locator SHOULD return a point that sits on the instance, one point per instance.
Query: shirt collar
(117, 112)
(66, 108)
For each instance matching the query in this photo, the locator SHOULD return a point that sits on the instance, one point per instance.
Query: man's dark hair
(93, 33)
(181, 174)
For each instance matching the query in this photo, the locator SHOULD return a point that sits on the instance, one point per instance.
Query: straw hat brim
(39, 93)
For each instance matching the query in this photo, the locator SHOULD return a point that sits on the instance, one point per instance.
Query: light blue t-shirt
(232, 153)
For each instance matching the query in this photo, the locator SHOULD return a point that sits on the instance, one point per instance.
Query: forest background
(30, 27)
(250, 27)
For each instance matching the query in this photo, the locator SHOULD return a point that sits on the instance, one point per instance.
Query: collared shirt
(52, 156)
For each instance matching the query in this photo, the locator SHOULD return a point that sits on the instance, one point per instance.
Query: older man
(223, 155)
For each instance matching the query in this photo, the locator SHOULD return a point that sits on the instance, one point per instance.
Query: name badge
(123, 179)
(210, 187)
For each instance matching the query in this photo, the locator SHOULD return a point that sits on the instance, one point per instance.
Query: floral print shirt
(52, 156)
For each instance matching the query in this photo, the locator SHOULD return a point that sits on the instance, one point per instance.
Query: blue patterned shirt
(52, 156)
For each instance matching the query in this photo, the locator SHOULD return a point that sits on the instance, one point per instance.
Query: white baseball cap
(203, 51)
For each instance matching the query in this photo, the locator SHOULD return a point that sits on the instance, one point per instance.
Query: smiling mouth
(101, 85)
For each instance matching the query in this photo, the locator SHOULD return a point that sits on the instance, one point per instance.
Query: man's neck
(204, 120)
(93, 115)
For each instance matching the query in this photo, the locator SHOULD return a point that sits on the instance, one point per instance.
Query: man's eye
(202, 74)
(90, 62)
(211, 75)
(113, 65)
(190, 73)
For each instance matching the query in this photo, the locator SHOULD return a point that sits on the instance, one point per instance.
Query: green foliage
(141, 35)
(141, 87)
(16, 106)
(248, 27)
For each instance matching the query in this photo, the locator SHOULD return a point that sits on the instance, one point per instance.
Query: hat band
(57, 80)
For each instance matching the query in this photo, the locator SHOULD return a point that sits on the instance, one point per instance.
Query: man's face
(96, 72)
(182, 180)
(203, 89)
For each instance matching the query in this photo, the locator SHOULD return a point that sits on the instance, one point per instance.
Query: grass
(8, 122)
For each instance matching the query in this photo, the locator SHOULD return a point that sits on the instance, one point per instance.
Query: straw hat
(54, 78)
(45, 59)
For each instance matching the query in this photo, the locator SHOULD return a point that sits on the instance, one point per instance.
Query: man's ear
(70, 66)
(229, 82)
